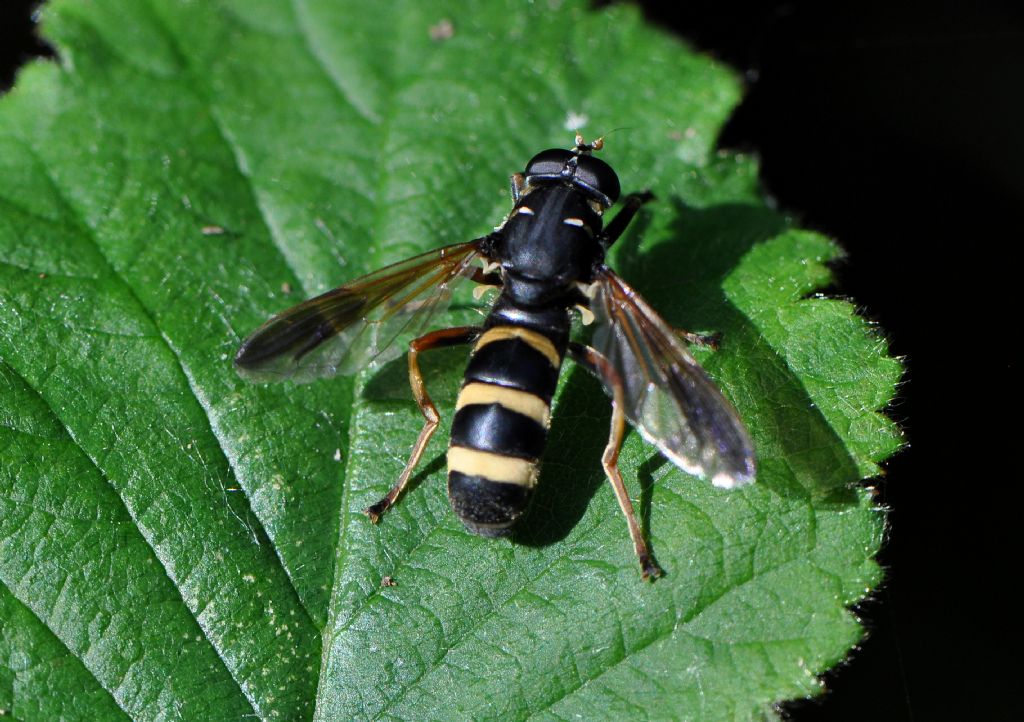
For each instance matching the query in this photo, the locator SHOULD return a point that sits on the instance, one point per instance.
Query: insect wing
(668, 397)
(358, 324)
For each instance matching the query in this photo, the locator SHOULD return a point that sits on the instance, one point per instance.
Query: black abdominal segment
(486, 507)
(501, 419)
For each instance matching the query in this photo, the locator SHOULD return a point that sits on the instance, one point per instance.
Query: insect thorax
(548, 244)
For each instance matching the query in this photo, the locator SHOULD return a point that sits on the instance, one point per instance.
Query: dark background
(895, 127)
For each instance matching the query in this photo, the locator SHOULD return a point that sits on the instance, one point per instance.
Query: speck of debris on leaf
(286, 287)
(388, 582)
(443, 30)
(212, 230)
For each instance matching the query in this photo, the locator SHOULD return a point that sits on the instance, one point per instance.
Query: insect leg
(710, 340)
(486, 279)
(517, 182)
(437, 339)
(630, 205)
(598, 365)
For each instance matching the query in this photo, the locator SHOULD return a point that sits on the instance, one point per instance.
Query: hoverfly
(547, 258)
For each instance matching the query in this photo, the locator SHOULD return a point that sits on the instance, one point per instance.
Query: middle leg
(437, 339)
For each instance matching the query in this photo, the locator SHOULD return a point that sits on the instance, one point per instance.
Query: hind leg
(602, 368)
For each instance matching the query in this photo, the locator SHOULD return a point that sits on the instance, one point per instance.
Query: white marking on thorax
(588, 289)
(586, 315)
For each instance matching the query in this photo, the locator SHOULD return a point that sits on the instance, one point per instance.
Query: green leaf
(176, 543)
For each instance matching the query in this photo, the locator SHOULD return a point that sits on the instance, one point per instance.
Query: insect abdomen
(501, 423)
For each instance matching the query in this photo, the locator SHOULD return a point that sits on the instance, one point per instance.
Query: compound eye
(598, 175)
(548, 163)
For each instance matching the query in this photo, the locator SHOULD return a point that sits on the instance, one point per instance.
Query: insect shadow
(682, 275)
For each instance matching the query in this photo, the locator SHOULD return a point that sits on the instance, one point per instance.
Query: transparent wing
(358, 324)
(669, 397)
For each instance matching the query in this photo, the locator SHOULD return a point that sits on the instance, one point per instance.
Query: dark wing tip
(273, 350)
(249, 363)
(270, 352)
(735, 478)
(262, 344)
(245, 359)
(737, 464)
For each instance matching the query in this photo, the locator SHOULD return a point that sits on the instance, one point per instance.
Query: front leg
(437, 339)
(517, 182)
(485, 278)
(630, 205)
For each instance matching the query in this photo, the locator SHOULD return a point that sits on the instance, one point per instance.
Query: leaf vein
(128, 512)
(303, 23)
(89, 234)
(274, 235)
(60, 641)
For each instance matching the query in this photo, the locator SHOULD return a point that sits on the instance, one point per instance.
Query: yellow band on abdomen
(522, 402)
(537, 341)
(493, 467)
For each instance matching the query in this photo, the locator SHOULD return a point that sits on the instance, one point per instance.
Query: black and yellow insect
(548, 259)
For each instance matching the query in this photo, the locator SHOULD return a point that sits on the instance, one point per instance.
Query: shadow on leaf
(679, 268)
